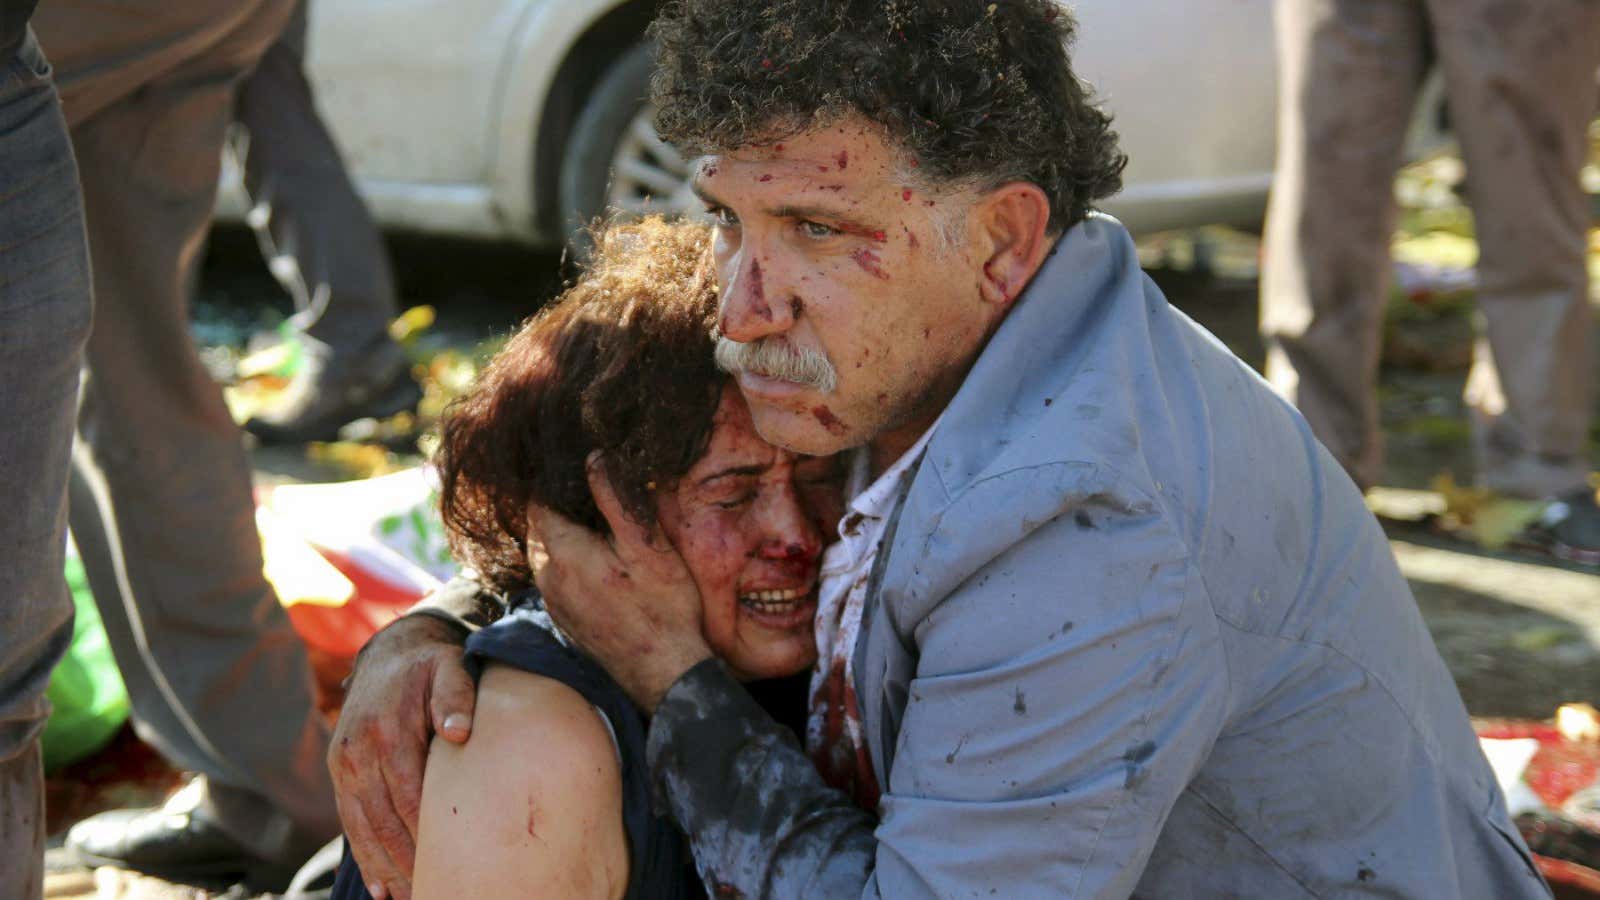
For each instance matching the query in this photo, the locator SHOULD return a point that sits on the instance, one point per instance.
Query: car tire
(613, 128)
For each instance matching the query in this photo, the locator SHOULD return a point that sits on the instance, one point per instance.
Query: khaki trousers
(160, 502)
(1520, 75)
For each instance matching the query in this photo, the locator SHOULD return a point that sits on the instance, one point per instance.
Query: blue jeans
(44, 321)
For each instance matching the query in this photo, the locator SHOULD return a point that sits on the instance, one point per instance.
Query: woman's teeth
(774, 601)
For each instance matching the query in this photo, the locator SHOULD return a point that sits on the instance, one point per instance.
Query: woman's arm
(530, 806)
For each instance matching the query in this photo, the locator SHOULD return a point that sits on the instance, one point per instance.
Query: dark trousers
(161, 505)
(323, 245)
(44, 320)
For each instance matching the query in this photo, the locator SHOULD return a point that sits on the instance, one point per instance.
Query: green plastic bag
(90, 702)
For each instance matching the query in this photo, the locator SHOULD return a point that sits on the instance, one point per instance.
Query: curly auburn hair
(977, 93)
(622, 363)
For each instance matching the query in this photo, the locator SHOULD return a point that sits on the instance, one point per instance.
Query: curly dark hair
(977, 93)
(620, 363)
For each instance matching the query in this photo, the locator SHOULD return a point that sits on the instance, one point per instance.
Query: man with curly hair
(1103, 619)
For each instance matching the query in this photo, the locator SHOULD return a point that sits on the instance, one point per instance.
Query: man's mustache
(777, 359)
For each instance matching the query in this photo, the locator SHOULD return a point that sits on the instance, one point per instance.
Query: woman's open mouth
(780, 608)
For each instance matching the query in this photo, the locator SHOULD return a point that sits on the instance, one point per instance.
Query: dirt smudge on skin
(911, 239)
(870, 263)
(877, 236)
(796, 307)
(758, 293)
(843, 159)
(828, 419)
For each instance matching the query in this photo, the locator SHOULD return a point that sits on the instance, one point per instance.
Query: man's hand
(630, 603)
(409, 685)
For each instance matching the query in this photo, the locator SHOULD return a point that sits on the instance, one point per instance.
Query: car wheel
(615, 160)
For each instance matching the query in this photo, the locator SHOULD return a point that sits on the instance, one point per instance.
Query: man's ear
(1014, 219)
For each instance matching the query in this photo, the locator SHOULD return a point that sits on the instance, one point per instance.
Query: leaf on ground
(354, 459)
(1542, 637)
(411, 323)
(1482, 516)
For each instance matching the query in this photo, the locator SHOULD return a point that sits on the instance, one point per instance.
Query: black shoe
(1569, 529)
(333, 388)
(172, 845)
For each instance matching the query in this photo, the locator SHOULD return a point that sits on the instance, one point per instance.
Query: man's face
(822, 249)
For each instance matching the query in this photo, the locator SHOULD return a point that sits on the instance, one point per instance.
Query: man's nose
(754, 303)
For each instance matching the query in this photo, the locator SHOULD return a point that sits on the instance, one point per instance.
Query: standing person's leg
(1521, 83)
(162, 507)
(324, 248)
(44, 319)
(1349, 73)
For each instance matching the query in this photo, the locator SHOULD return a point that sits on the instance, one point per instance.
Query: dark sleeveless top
(660, 866)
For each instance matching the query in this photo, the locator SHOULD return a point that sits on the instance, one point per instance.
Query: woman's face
(749, 521)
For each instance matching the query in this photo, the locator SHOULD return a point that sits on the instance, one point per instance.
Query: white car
(505, 119)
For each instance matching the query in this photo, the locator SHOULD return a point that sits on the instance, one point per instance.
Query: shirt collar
(876, 501)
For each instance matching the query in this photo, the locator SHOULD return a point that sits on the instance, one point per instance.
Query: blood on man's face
(821, 243)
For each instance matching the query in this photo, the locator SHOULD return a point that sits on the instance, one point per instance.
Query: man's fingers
(451, 699)
(377, 869)
(392, 831)
(561, 537)
(402, 767)
(635, 545)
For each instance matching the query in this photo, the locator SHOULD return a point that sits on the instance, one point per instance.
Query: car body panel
(1192, 88)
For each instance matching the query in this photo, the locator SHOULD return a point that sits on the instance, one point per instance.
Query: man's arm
(1065, 696)
(408, 685)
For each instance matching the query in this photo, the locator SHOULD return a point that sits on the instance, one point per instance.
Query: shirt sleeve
(463, 602)
(1064, 697)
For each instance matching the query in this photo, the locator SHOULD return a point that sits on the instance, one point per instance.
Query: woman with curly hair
(607, 406)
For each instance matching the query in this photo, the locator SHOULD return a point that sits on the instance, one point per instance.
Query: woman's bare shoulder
(535, 793)
(535, 717)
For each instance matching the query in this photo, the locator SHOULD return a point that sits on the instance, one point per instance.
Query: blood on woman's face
(749, 519)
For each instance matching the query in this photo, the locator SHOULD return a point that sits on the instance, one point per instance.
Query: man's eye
(722, 216)
(817, 230)
(735, 502)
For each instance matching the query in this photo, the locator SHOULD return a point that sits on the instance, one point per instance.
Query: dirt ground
(1520, 634)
